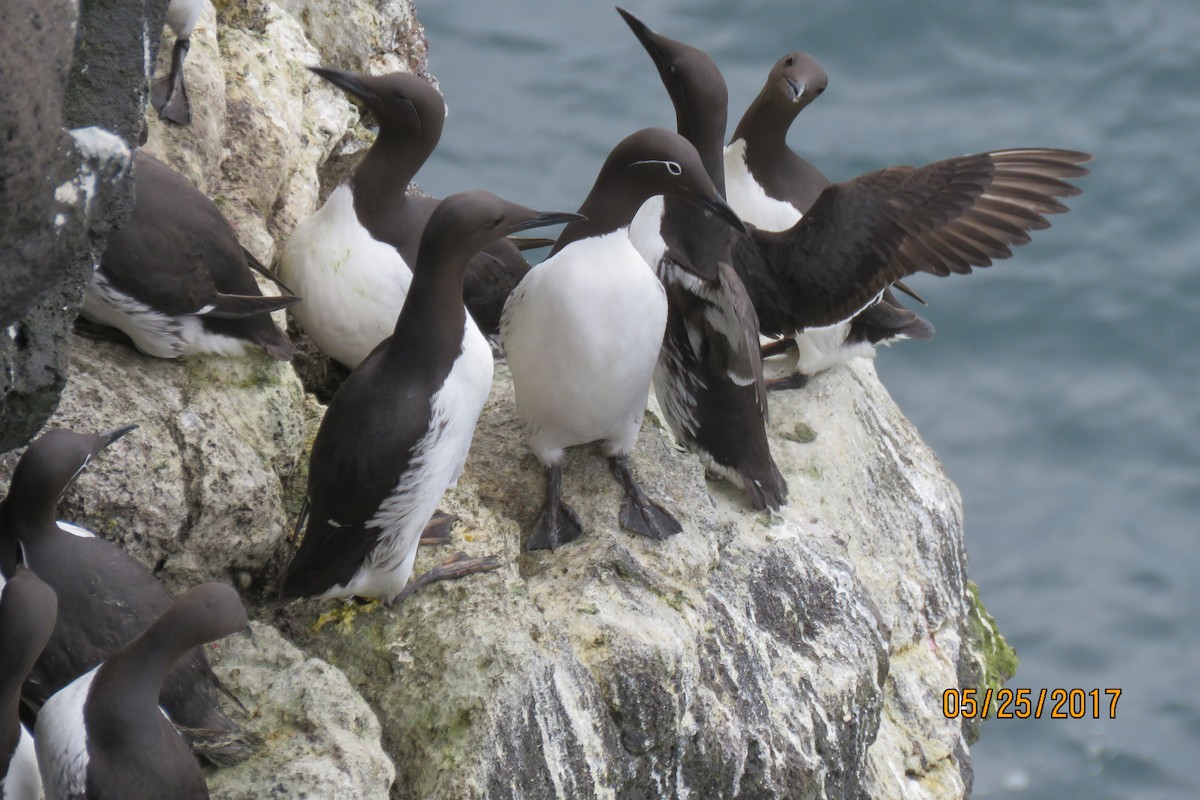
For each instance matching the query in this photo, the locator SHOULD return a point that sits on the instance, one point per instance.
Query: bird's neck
(380, 181)
(433, 316)
(764, 129)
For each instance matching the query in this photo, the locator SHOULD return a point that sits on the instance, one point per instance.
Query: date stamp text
(1026, 703)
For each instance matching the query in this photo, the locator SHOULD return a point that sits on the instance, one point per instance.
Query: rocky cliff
(800, 654)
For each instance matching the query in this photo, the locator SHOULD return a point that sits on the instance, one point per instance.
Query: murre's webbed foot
(639, 513)
(797, 380)
(101, 333)
(558, 523)
(457, 566)
(221, 748)
(778, 347)
(169, 96)
(437, 530)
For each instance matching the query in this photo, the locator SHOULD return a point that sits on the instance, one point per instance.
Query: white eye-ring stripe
(672, 166)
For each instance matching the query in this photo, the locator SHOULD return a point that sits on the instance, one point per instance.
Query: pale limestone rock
(795, 655)
(322, 739)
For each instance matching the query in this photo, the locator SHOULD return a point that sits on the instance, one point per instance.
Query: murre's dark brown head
(794, 82)
(205, 613)
(465, 223)
(49, 467)
(646, 163)
(406, 105)
(691, 78)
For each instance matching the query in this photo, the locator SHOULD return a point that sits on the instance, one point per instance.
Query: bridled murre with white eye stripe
(582, 331)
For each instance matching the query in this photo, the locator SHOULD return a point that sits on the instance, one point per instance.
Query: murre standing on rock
(169, 95)
(27, 612)
(105, 597)
(175, 280)
(104, 735)
(397, 432)
(352, 258)
(869, 232)
(708, 379)
(582, 331)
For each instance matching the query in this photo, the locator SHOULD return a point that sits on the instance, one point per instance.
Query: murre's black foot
(639, 513)
(437, 530)
(169, 96)
(558, 523)
(100, 333)
(797, 380)
(219, 747)
(453, 568)
(778, 347)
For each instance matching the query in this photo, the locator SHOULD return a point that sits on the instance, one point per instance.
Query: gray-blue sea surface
(1062, 388)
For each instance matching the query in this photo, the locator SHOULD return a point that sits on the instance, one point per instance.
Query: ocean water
(1063, 388)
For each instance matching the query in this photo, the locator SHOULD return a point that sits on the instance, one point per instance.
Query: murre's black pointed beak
(649, 39)
(544, 219)
(719, 207)
(113, 435)
(797, 89)
(347, 81)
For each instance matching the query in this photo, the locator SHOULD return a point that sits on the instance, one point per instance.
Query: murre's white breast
(23, 781)
(436, 463)
(748, 198)
(645, 232)
(353, 285)
(152, 331)
(582, 333)
(182, 16)
(61, 740)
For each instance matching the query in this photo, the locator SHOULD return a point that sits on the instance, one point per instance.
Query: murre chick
(583, 329)
(945, 217)
(169, 95)
(709, 379)
(105, 597)
(396, 434)
(27, 613)
(352, 258)
(104, 735)
(175, 280)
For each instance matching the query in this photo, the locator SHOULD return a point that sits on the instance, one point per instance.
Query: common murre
(176, 281)
(105, 735)
(583, 329)
(352, 258)
(28, 609)
(964, 225)
(105, 597)
(396, 434)
(709, 379)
